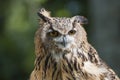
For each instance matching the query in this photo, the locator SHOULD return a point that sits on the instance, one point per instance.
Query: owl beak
(64, 43)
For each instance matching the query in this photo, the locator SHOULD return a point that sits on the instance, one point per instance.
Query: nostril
(64, 35)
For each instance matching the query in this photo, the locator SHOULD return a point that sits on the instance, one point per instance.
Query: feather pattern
(75, 60)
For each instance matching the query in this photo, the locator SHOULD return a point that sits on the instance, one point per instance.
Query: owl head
(61, 32)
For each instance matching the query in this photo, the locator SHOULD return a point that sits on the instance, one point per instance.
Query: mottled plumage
(63, 52)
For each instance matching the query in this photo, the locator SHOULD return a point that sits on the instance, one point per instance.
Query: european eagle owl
(63, 52)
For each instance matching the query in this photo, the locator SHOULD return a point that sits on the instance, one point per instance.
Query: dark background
(19, 21)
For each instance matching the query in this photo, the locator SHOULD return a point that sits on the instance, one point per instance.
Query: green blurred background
(19, 21)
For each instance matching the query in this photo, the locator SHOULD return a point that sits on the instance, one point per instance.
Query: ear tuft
(44, 15)
(80, 19)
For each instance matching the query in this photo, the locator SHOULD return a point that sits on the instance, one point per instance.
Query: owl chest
(62, 67)
(72, 66)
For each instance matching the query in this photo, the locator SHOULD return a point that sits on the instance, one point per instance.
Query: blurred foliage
(18, 23)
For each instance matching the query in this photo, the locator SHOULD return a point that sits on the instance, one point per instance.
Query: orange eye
(53, 34)
(72, 32)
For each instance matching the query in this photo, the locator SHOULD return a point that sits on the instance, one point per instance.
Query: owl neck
(57, 61)
(57, 54)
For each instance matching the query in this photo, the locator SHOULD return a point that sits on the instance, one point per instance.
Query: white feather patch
(93, 69)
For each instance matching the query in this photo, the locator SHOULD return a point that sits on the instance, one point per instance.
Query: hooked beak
(64, 43)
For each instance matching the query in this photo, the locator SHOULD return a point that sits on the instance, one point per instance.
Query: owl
(64, 53)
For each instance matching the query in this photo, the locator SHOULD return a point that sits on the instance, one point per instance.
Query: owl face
(61, 32)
